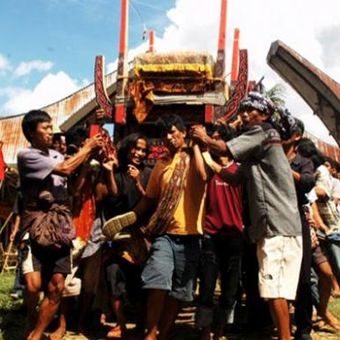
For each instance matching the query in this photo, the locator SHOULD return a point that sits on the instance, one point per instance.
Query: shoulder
(29, 153)
(25, 151)
(232, 167)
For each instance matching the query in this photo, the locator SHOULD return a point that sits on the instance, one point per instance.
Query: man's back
(270, 185)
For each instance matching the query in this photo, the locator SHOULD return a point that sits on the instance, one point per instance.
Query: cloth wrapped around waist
(49, 223)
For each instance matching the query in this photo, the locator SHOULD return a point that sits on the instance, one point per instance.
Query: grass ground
(12, 319)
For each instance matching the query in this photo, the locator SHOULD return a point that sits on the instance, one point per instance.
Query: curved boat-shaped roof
(319, 91)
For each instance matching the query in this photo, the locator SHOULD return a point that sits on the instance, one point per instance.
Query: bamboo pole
(235, 57)
(122, 70)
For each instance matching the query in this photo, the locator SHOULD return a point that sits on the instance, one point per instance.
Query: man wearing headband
(274, 215)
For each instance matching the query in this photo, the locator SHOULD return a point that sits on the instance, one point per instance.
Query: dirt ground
(185, 330)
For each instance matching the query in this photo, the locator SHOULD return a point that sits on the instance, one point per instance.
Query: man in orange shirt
(175, 194)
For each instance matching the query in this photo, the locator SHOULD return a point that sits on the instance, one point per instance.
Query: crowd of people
(251, 205)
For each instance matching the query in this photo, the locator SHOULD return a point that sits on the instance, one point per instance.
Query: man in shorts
(42, 169)
(175, 196)
(274, 215)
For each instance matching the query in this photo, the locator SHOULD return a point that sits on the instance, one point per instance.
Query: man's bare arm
(215, 146)
(199, 163)
(67, 167)
(225, 175)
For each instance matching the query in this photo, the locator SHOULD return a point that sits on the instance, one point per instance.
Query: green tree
(276, 94)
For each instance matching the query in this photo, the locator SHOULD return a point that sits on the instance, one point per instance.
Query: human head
(291, 130)
(59, 143)
(255, 109)
(133, 149)
(76, 139)
(37, 127)
(331, 165)
(308, 149)
(173, 131)
(225, 133)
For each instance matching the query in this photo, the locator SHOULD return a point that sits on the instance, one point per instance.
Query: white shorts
(279, 260)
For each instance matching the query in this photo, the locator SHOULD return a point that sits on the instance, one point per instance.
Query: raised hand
(133, 172)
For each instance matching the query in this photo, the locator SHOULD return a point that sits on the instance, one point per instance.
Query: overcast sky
(48, 47)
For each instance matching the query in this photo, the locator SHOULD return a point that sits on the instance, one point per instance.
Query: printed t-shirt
(223, 209)
(189, 214)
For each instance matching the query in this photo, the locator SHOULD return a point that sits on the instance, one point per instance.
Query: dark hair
(31, 120)
(308, 149)
(332, 162)
(337, 165)
(300, 126)
(226, 132)
(127, 144)
(166, 122)
(57, 137)
(77, 136)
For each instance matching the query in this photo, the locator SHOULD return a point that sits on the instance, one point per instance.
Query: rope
(6, 222)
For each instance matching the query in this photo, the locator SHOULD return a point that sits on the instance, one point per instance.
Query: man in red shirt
(222, 245)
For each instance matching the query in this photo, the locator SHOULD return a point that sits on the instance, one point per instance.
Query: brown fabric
(167, 205)
(142, 90)
(169, 73)
(50, 223)
(174, 58)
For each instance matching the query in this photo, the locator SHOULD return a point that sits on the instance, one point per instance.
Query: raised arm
(199, 162)
(225, 175)
(67, 167)
(216, 146)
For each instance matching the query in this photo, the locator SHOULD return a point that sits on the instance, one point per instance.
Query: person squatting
(251, 207)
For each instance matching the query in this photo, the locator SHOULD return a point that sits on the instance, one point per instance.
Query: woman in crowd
(123, 187)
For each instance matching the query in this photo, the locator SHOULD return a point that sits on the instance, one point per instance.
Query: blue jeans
(220, 254)
(172, 265)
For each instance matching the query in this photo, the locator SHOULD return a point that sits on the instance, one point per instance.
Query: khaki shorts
(279, 260)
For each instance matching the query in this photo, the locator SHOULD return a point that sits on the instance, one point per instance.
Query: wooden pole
(151, 41)
(122, 70)
(214, 112)
(236, 49)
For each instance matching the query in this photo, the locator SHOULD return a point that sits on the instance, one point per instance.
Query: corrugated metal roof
(60, 111)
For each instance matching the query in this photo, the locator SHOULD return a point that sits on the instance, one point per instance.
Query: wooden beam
(236, 48)
(151, 41)
(122, 70)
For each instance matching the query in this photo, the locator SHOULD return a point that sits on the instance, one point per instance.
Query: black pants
(303, 301)
(224, 256)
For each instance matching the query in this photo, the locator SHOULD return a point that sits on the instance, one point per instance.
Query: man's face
(174, 138)
(138, 153)
(43, 136)
(252, 117)
(330, 168)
